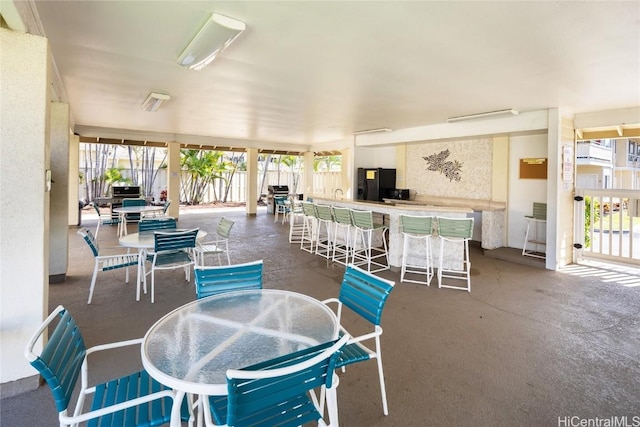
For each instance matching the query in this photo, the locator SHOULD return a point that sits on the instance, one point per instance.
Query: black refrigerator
(375, 183)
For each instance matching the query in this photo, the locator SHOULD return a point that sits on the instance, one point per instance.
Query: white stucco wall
(24, 204)
(523, 192)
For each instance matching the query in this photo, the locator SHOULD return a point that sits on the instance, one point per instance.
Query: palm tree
(200, 168)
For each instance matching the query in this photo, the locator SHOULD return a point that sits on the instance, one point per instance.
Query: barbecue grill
(119, 193)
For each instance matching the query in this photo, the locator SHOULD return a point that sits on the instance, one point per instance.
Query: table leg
(142, 275)
(175, 409)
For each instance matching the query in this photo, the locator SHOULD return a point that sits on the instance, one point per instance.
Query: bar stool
(309, 227)
(416, 253)
(296, 221)
(324, 238)
(456, 231)
(537, 222)
(342, 240)
(366, 251)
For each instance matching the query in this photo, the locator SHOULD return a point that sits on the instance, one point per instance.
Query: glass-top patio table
(191, 348)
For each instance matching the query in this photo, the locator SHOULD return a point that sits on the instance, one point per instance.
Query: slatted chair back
(174, 240)
(457, 228)
(161, 223)
(365, 293)
(218, 279)
(60, 362)
(224, 228)
(324, 212)
(89, 238)
(166, 207)
(133, 202)
(274, 393)
(539, 211)
(362, 219)
(281, 200)
(309, 209)
(411, 224)
(342, 215)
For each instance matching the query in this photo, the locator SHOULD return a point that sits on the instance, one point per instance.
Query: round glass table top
(191, 348)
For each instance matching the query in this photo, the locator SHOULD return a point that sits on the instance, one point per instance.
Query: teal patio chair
(365, 295)
(106, 262)
(282, 207)
(105, 218)
(131, 400)
(218, 279)
(159, 223)
(280, 392)
(133, 217)
(171, 250)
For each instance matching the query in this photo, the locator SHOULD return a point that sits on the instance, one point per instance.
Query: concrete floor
(527, 347)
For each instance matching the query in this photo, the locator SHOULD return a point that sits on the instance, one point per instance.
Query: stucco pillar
(252, 182)
(308, 174)
(74, 179)
(59, 202)
(173, 179)
(24, 202)
(347, 173)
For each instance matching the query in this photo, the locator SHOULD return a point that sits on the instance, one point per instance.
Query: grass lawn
(612, 222)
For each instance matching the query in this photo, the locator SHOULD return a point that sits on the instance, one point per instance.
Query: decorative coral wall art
(450, 168)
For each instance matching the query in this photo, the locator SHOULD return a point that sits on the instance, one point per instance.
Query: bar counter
(452, 258)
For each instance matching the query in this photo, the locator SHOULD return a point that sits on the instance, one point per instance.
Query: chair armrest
(364, 337)
(117, 344)
(216, 241)
(70, 420)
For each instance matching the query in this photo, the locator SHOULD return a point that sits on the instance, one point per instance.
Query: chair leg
(153, 277)
(93, 282)
(383, 390)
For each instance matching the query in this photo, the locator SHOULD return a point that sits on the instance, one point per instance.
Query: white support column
(74, 179)
(59, 202)
(173, 179)
(347, 172)
(24, 202)
(559, 195)
(252, 181)
(308, 175)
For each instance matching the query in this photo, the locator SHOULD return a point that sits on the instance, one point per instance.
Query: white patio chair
(217, 246)
(106, 262)
(105, 219)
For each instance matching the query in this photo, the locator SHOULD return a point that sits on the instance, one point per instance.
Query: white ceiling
(307, 73)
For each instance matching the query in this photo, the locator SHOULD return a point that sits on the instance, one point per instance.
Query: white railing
(586, 151)
(607, 225)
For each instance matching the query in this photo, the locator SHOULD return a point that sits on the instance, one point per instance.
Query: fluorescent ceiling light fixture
(154, 101)
(508, 112)
(362, 132)
(215, 35)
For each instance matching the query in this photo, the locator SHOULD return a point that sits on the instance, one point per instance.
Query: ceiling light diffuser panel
(154, 101)
(215, 35)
